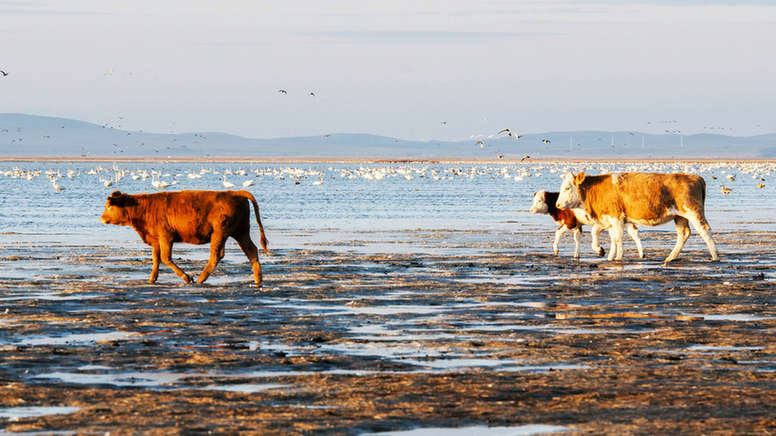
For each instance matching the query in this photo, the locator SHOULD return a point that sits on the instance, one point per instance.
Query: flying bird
(312, 93)
(481, 144)
(510, 133)
(546, 141)
(4, 73)
(524, 158)
(282, 91)
(444, 123)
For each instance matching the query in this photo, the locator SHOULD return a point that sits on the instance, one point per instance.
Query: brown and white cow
(640, 198)
(194, 217)
(573, 219)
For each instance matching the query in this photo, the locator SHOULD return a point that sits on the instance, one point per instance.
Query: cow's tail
(704, 223)
(250, 197)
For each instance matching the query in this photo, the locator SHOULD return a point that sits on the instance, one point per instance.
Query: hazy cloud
(425, 35)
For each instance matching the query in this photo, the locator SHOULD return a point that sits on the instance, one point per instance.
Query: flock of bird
(732, 173)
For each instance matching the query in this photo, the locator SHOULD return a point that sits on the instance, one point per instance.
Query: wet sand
(341, 340)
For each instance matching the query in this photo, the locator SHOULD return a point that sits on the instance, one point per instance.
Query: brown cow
(194, 217)
(641, 198)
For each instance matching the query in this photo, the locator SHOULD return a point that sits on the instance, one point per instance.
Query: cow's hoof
(601, 252)
(186, 278)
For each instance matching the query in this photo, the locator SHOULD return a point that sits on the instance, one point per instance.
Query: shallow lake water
(384, 283)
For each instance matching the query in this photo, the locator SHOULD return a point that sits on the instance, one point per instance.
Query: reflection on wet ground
(342, 341)
(480, 430)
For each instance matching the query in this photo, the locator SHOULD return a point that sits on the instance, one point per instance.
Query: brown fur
(642, 197)
(194, 217)
(563, 217)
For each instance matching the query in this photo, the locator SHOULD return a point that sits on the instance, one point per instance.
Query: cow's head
(539, 204)
(116, 209)
(569, 196)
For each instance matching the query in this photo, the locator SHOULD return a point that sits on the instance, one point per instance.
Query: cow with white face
(572, 220)
(612, 200)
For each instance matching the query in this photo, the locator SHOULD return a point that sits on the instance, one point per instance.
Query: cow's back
(646, 198)
(192, 216)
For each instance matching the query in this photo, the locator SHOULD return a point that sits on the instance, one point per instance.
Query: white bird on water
(227, 184)
(247, 183)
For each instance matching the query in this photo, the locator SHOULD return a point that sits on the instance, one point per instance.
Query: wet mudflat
(442, 329)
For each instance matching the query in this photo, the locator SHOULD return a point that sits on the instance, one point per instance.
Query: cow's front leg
(615, 235)
(576, 232)
(217, 243)
(617, 232)
(558, 233)
(165, 252)
(155, 260)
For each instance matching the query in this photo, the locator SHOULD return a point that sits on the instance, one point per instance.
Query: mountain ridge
(24, 135)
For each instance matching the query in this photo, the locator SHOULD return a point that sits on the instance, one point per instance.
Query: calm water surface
(316, 203)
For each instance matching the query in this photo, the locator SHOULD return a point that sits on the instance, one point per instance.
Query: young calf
(573, 219)
(544, 203)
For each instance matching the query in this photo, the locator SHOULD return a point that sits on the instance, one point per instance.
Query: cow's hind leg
(155, 267)
(682, 233)
(594, 232)
(217, 244)
(165, 251)
(634, 234)
(250, 250)
(702, 227)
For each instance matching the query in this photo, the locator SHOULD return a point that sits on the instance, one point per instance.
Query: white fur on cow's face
(569, 197)
(539, 205)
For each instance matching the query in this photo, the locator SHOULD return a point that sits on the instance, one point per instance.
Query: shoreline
(545, 160)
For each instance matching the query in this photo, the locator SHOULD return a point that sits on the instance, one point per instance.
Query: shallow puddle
(35, 411)
(123, 379)
(76, 338)
(521, 430)
(244, 387)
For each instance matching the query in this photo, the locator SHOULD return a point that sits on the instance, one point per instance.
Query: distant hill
(31, 135)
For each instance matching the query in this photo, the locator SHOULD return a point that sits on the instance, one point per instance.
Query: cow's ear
(579, 178)
(121, 199)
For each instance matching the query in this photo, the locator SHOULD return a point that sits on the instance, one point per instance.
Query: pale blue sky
(396, 68)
